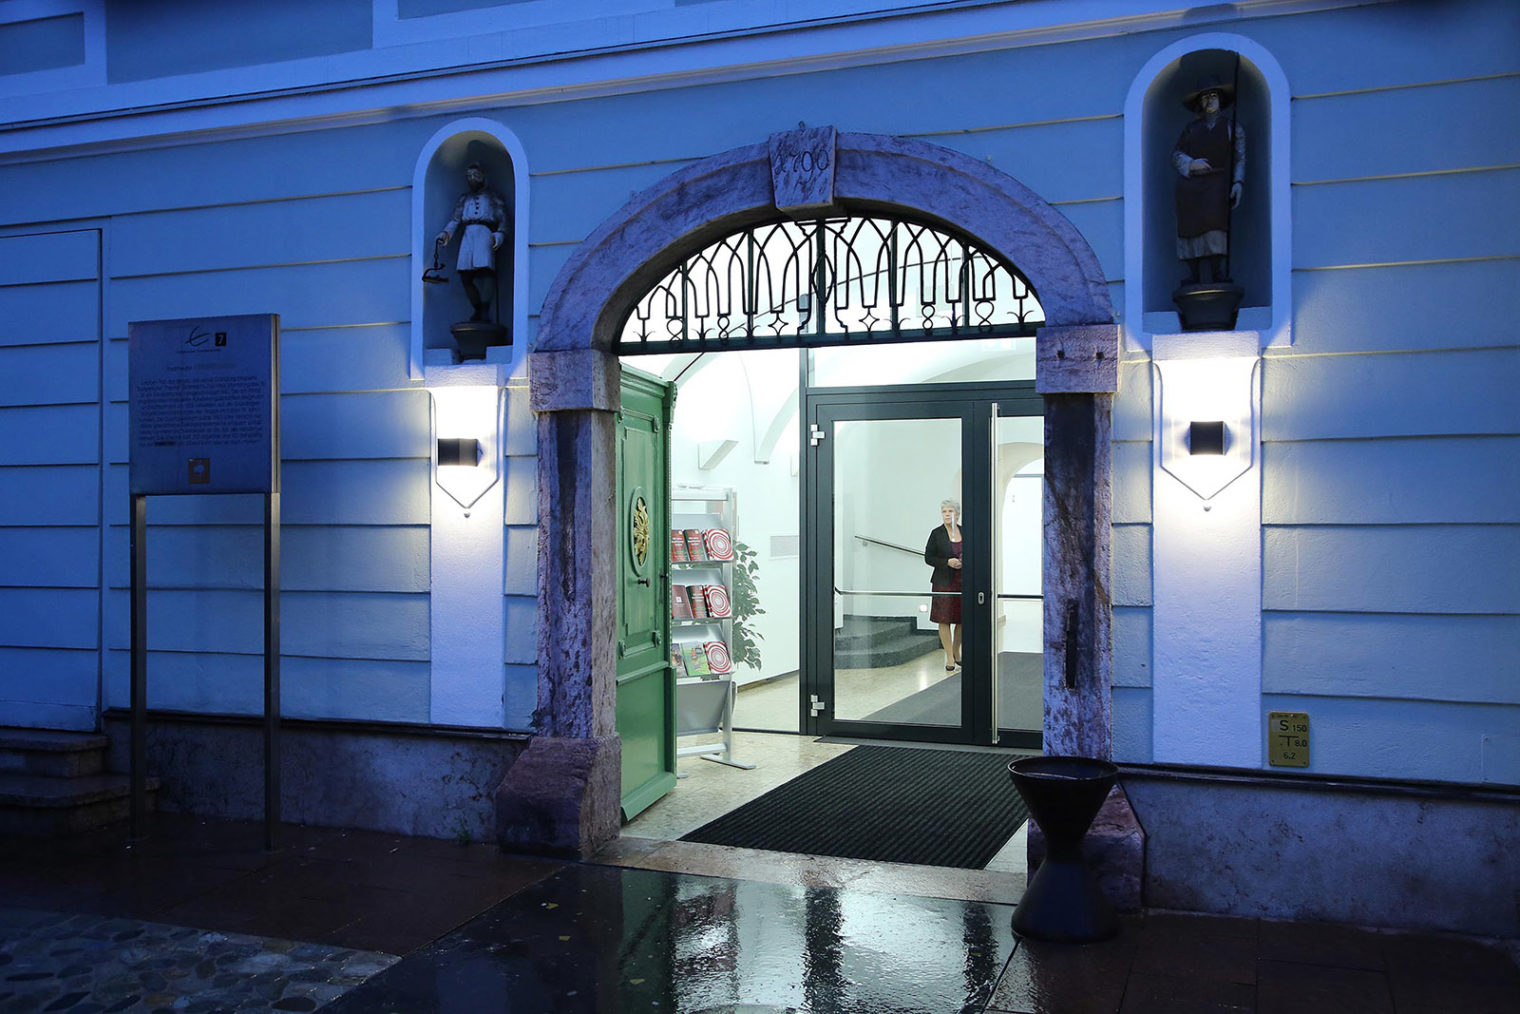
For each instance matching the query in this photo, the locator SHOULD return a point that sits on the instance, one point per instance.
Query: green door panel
(645, 679)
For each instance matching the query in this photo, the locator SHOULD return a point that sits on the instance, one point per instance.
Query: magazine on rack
(680, 603)
(695, 657)
(718, 662)
(718, 545)
(715, 598)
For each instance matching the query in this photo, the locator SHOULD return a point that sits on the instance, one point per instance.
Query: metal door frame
(977, 406)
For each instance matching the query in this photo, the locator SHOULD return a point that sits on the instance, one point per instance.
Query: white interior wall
(890, 476)
(742, 396)
(1020, 622)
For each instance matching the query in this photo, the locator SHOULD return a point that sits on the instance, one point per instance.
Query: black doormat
(886, 804)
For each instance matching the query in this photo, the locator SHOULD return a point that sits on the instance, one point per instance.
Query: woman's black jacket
(937, 554)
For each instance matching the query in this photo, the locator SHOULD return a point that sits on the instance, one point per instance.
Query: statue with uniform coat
(481, 222)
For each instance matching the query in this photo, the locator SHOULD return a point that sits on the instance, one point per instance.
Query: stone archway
(562, 794)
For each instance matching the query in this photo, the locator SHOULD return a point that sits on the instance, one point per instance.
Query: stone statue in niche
(1210, 161)
(481, 223)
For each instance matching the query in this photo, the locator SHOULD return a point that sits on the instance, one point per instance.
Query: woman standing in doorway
(943, 553)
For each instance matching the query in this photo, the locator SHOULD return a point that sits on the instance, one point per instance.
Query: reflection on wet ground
(595, 938)
(602, 939)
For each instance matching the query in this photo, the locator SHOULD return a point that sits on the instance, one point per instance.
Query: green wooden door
(645, 679)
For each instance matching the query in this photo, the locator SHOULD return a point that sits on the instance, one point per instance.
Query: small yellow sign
(1288, 739)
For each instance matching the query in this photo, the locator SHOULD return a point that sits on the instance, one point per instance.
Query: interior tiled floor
(706, 789)
(773, 704)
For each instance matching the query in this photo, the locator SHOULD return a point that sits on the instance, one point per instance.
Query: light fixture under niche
(1206, 437)
(467, 422)
(1207, 414)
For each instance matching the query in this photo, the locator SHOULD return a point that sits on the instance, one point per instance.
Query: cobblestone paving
(86, 964)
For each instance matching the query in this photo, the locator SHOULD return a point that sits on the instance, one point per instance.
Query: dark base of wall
(417, 780)
(1401, 856)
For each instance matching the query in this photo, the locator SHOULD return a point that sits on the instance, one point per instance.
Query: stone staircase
(874, 642)
(55, 783)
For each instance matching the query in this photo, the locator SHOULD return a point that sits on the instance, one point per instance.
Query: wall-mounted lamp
(467, 403)
(1206, 437)
(463, 451)
(1207, 420)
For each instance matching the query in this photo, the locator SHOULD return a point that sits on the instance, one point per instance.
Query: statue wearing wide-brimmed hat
(1210, 159)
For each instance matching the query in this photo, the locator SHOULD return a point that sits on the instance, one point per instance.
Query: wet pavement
(594, 939)
(199, 918)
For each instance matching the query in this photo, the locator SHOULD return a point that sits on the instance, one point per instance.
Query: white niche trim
(1272, 324)
(424, 230)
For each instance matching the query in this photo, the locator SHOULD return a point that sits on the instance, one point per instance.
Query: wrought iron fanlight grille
(836, 281)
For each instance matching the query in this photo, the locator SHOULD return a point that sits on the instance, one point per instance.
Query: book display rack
(701, 576)
(701, 624)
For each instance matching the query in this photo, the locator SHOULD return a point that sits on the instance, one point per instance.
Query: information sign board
(1288, 739)
(202, 407)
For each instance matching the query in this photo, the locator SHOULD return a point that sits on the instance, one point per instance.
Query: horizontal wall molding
(1420, 174)
(355, 726)
(1269, 780)
(1428, 262)
(1406, 86)
(372, 86)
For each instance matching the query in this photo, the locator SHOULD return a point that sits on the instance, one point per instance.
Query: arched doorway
(562, 795)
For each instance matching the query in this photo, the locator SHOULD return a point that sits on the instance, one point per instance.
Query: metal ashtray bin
(1063, 902)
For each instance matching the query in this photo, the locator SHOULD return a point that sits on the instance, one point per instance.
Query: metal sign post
(205, 418)
(271, 670)
(138, 769)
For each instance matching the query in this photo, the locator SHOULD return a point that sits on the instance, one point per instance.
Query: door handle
(643, 581)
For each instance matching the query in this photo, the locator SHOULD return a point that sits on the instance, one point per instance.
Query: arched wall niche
(562, 794)
(437, 183)
(1261, 226)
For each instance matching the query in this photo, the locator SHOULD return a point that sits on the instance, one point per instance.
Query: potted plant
(746, 606)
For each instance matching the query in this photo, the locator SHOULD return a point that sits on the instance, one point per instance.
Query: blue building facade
(1351, 556)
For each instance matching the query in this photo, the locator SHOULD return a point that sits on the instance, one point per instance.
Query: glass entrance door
(903, 643)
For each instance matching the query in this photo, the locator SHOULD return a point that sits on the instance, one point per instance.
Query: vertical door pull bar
(995, 528)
